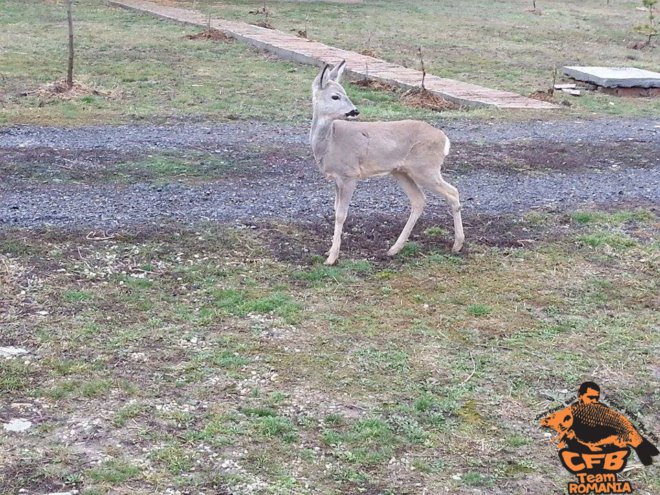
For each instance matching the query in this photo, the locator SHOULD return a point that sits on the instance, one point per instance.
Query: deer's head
(329, 99)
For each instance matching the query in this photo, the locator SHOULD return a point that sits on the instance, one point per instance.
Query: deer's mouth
(352, 114)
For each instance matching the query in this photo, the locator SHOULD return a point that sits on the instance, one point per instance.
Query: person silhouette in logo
(588, 426)
(589, 393)
(603, 429)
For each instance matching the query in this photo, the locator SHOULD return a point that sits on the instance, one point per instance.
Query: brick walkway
(310, 52)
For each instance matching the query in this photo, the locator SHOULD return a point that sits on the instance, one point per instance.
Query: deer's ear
(321, 78)
(337, 71)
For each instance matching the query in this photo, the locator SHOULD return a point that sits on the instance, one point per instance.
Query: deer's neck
(319, 137)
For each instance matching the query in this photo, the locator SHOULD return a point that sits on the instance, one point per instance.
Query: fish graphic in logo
(594, 442)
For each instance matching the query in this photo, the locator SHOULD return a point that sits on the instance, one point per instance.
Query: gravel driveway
(499, 169)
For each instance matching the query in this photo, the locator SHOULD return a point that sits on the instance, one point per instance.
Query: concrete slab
(615, 77)
(358, 66)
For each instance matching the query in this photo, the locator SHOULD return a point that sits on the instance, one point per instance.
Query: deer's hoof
(394, 250)
(332, 259)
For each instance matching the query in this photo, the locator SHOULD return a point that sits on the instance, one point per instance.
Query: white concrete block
(615, 77)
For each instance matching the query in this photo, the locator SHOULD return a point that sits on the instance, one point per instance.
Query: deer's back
(376, 148)
(399, 131)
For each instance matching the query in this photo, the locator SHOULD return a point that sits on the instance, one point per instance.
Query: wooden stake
(421, 58)
(69, 74)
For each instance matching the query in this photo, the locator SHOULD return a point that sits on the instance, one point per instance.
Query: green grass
(411, 249)
(614, 240)
(156, 168)
(14, 376)
(127, 413)
(611, 230)
(293, 378)
(114, 472)
(237, 302)
(145, 68)
(92, 388)
(17, 247)
(116, 54)
(388, 361)
(275, 426)
(73, 296)
(160, 167)
(476, 479)
(500, 45)
(617, 218)
(436, 232)
(174, 458)
(479, 309)
(345, 272)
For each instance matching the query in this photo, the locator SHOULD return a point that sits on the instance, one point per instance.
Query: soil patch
(29, 475)
(60, 90)
(423, 98)
(375, 85)
(368, 52)
(544, 95)
(263, 24)
(546, 157)
(369, 237)
(211, 34)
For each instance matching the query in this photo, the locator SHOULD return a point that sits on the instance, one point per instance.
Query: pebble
(18, 425)
(12, 352)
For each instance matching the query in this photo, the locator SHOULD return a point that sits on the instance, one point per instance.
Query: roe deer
(347, 150)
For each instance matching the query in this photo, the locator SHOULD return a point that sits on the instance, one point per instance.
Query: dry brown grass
(59, 90)
(544, 95)
(423, 98)
(210, 34)
(375, 85)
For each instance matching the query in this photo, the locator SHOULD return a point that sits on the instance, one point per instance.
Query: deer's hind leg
(417, 203)
(437, 184)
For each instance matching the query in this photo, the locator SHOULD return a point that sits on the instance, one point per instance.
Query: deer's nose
(353, 113)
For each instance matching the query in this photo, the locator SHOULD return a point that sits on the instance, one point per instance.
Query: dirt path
(500, 169)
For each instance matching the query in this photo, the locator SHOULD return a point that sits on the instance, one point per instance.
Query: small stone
(11, 352)
(18, 425)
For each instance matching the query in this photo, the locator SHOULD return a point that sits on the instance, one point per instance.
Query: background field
(147, 69)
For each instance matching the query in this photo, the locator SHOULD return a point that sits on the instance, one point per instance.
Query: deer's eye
(335, 97)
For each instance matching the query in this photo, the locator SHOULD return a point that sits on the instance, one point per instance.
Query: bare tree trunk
(69, 75)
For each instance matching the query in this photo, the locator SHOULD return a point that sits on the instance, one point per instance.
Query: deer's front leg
(345, 189)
